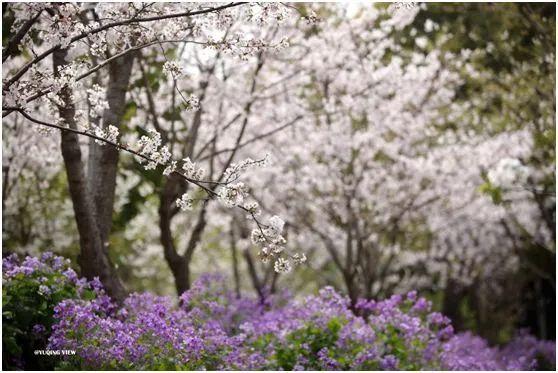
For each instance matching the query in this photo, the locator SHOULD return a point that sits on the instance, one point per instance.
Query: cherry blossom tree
(87, 42)
(351, 135)
(391, 175)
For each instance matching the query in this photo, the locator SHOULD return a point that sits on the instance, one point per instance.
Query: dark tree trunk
(352, 289)
(256, 281)
(181, 274)
(177, 263)
(453, 295)
(93, 258)
(236, 272)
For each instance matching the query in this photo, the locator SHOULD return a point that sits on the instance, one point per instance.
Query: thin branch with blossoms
(126, 22)
(187, 101)
(231, 195)
(6, 110)
(119, 146)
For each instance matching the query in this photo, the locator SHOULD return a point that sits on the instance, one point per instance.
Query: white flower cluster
(299, 258)
(96, 97)
(112, 133)
(311, 18)
(185, 203)
(282, 265)
(16, 95)
(109, 134)
(282, 44)
(191, 170)
(252, 207)
(264, 13)
(193, 102)
(270, 238)
(67, 78)
(233, 195)
(508, 172)
(62, 26)
(170, 168)
(173, 69)
(159, 157)
(233, 172)
(272, 241)
(174, 29)
(239, 45)
(150, 146)
(276, 225)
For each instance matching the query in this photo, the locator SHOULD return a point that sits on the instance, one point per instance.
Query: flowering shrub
(322, 333)
(468, 352)
(31, 288)
(146, 333)
(210, 327)
(152, 332)
(208, 299)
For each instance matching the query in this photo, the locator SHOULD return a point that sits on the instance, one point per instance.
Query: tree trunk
(453, 294)
(177, 263)
(256, 281)
(181, 274)
(352, 288)
(103, 160)
(93, 259)
(236, 272)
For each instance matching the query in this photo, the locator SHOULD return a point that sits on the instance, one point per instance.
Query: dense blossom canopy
(262, 76)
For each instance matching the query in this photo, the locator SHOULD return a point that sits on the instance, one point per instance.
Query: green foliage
(129, 112)
(24, 306)
(306, 342)
(492, 191)
(310, 341)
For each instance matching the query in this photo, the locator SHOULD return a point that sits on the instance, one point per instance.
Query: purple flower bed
(210, 328)
(31, 289)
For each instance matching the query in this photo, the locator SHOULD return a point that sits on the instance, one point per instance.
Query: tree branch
(11, 48)
(85, 34)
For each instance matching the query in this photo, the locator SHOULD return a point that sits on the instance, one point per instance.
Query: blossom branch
(6, 111)
(229, 195)
(198, 183)
(126, 22)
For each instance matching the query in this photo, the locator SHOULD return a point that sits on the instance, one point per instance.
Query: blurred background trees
(412, 147)
(511, 86)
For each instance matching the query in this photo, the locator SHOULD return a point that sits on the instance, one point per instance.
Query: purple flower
(421, 305)
(327, 362)
(71, 275)
(389, 362)
(446, 333)
(412, 295)
(38, 329)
